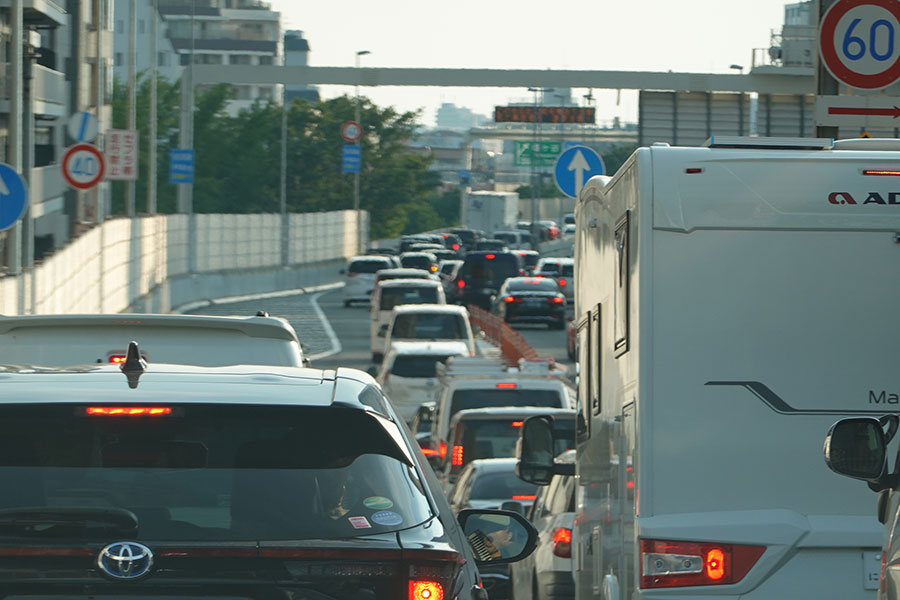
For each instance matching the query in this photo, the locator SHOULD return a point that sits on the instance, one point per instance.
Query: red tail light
(562, 542)
(433, 268)
(525, 497)
(490, 256)
(678, 564)
(454, 246)
(555, 300)
(517, 423)
(509, 299)
(460, 283)
(128, 411)
(429, 452)
(881, 172)
(457, 459)
(442, 449)
(562, 282)
(425, 590)
(506, 386)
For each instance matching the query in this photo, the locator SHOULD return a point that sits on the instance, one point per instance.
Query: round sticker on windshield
(378, 502)
(386, 517)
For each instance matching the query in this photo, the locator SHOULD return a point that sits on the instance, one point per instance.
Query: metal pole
(14, 241)
(535, 238)
(285, 224)
(151, 134)
(826, 85)
(357, 116)
(132, 100)
(100, 190)
(27, 166)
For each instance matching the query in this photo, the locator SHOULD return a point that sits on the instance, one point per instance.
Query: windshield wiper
(48, 521)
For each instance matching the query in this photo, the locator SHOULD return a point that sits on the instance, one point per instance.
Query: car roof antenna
(134, 365)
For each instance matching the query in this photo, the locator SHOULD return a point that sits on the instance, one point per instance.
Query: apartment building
(213, 32)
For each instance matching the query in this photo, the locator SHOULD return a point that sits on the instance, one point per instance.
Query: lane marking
(259, 296)
(335, 342)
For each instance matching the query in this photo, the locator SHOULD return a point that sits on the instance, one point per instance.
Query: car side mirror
(497, 536)
(857, 448)
(372, 371)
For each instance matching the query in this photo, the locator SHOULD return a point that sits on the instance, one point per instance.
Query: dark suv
(481, 276)
(171, 481)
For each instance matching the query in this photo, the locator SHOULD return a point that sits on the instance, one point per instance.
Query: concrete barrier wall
(144, 263)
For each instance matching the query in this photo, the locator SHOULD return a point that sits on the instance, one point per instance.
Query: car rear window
(492, 438)
(393, 296)
(490, 245)
(567, 270)
(205, 472)
(488, 397)
(417, 365)
(436, 326)
(448, 267)
(529, 259)
(485, 270)
(368, 265)
(501, 485)
(466, 236)
(416, 262)
(533, 285)
(549, 267)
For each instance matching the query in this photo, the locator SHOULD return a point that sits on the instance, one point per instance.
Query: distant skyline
(641, 35)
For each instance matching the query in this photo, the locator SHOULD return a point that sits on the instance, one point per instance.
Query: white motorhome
(731, 301)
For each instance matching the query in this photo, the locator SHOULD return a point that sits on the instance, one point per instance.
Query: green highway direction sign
(538, 154)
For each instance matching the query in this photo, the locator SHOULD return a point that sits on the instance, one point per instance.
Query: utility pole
(826, 85)
(358, 119)
(17, 39)
(30, 54)
(285, 224)
(535, 150)
(132, 100)
(151, 130)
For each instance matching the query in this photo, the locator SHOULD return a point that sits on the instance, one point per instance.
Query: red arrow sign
(879, 112)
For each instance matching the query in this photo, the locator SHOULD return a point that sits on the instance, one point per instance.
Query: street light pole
(535, 150)
(357, 116)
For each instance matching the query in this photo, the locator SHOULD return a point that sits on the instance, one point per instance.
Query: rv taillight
(457, 459)
(506, 386)
(562, 542)
(677, 564)
(128, 411)
(693, 170)
(882, 172)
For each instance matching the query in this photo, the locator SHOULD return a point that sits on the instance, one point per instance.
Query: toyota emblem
(125, 560)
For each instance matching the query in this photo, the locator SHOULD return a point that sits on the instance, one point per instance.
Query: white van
(208, 341)
(394, 292)
(429, 322)
(359, 276)
(731, 301)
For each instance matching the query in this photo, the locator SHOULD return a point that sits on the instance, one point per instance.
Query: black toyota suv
(481, 276)
(246, 482)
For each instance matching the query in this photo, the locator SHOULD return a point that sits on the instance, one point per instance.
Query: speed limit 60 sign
(859, 42)
(83, 166)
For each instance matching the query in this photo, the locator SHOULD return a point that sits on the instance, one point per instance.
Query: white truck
(731, 302)
(491, 211)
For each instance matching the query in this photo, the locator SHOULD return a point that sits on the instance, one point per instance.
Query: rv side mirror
(857, 448)
(535, 450)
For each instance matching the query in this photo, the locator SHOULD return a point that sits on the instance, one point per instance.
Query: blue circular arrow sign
(574, 167)
(12, 197)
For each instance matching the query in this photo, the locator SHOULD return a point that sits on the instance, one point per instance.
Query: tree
(616, 156)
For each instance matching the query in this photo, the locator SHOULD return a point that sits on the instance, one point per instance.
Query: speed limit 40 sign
(83, 166)
(859, 42)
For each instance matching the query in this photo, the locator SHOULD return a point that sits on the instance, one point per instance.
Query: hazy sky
(641, 35)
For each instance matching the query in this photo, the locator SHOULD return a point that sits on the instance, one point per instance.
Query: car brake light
(562, 282)
(460, 283)
(506, 386)
(442, 449)
(555, 300)
(562, 542)
(455, 246)
(490, 256)
(457, 459)
(425, 590)
(429, 452)
(128, 411)
(525, 497)
(678, 564)
(516, 423)
(509, 299)
(882, 172)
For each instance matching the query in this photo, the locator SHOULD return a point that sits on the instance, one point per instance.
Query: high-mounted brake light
(525, 497)
(442, 449)
(882, 172)
(562, 542)
(425, 590)
(457, 459)
(117, 359)
(128, 411)
(506, 386)
(490, 256)
(429, 452)
(678, 564)
(516, 423)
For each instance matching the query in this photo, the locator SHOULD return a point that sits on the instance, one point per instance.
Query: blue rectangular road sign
(181, 166)
(351, 160)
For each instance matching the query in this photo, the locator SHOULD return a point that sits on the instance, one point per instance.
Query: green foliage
(616, 156)
(548, 190)
(238, 160)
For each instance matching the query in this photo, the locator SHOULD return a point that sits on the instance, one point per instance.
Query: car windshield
(416, 262)
(392, 296)
(438, 326)
(367, 266)
(493, 438)
(532, 285)
(206, 472)
(501, 484)
(490, 271)
(503, 396)
(417, 365)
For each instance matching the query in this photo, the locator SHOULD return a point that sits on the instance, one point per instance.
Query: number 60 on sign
(859, 41)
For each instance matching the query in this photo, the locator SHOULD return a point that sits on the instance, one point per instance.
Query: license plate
(871, 570)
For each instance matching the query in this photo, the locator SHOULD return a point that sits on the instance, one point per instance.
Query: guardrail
(498, 332)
